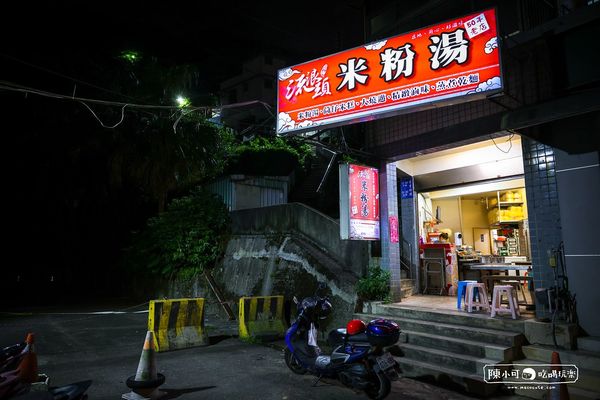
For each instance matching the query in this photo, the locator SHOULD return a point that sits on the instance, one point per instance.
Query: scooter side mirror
(295, 300)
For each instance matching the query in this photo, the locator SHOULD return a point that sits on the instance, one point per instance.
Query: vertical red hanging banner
(394, 235)
(359, 202)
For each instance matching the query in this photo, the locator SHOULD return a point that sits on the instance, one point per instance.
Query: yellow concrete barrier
(262, 317)
(177, 323)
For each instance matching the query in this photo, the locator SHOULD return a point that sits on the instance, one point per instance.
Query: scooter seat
(337, 337)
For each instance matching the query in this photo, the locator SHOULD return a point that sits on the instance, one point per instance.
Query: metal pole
(327, 171)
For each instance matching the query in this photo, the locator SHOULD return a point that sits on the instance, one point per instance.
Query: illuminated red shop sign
(441, 62)
(359, 202)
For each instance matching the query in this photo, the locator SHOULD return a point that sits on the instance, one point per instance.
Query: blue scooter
(358, 359)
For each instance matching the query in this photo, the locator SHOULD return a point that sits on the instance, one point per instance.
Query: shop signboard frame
(446, 63)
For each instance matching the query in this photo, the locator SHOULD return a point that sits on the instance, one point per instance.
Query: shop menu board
(359, 202)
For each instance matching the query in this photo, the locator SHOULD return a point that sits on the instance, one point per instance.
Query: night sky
(216, 36)
(66, 223)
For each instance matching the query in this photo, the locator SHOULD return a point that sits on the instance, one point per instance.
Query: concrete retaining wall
(283, 250)
(298, 218)
(288, 265)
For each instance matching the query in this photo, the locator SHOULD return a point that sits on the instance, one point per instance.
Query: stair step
(492, 336)
(407, 283)
(472, 383)
(463, 362)
(456, 317)
(588, 380)
(461, 346)
(575, 393)
(589, 343)
(582, 359)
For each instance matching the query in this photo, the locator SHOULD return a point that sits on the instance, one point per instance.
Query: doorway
(470, 201)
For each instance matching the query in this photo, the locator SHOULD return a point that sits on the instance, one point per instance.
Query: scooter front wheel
(292, 362)
(380, 386)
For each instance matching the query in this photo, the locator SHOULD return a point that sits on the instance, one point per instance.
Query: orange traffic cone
(30, 339)
(557, 390)
(28, 367)
(144, 384)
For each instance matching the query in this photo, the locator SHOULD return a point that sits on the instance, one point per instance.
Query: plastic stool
(476, 290)
(513, 306)
(518, 287)
(460, 292)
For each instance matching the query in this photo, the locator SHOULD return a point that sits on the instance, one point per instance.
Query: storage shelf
(503, 205)
(506, 222)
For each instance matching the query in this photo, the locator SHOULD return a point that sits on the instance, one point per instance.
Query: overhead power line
(9, 86)
(14, 87)
(65, 76)
(4, 85)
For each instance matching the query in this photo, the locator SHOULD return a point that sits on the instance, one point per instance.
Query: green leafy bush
(184, 240)
(375, 286)
(269, 156)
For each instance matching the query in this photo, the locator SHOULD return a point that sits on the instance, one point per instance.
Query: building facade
(551, 99)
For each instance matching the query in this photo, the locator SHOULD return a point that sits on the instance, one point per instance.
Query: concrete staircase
(589, 343)
(587, 386)
(451, 347)
(406, 287)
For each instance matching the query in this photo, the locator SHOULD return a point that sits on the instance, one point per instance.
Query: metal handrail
(403, 263)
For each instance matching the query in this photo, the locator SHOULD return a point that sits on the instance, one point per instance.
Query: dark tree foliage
(79, 190)
(273, 156)
(186, 239)
(162, 151)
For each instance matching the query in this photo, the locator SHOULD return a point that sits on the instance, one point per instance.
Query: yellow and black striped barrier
(177, 323)
(262, 317)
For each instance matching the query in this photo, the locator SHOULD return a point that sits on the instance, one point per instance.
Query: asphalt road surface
(106, 348)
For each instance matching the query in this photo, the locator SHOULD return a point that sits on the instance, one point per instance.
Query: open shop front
(471, 216)
(415, 232)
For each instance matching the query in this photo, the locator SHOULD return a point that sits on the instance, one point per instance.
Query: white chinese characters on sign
(448, 47)
(435, 64)
(445, 49)
(545, 374)
(397, 61)
(314, 82)
(350, 73)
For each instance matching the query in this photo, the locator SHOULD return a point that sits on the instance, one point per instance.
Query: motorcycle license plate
(386, 361)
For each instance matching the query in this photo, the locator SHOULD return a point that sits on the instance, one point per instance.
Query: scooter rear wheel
(293, 363)
(380, 386)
